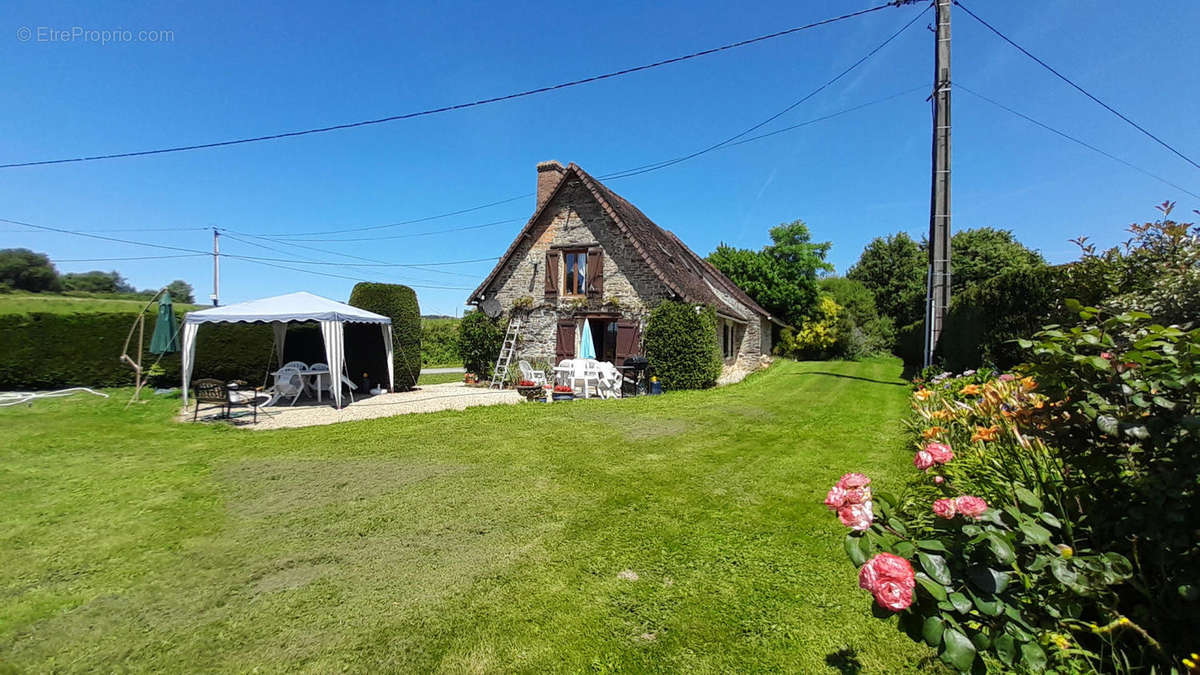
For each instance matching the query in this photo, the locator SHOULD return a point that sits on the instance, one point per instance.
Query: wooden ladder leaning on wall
(511, 335)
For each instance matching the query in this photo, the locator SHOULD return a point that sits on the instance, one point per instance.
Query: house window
(574, 272)
(727, 340)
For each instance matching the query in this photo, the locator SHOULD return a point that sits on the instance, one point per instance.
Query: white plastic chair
(323, 381)
(587, 372)
(530, 373)
(288, 382)
(298, 365)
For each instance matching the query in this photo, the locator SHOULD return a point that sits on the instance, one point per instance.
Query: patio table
(308, 377)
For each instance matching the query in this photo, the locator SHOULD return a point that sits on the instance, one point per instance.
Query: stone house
(587, 253)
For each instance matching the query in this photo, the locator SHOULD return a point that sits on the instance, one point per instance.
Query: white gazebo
(281, 310)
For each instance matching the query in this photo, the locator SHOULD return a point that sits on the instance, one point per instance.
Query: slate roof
(687, 275)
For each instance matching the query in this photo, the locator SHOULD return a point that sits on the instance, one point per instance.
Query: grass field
(440, 378)
(26, 303)
(676, 533)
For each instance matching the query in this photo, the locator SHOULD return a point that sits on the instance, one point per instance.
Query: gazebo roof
(300, 306)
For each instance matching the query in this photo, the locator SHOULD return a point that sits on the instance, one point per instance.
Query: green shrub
(910, 347)
(681, 345)
(984, 320)
(479, 341)
(41, 350)
(399, 303)
(439, 342)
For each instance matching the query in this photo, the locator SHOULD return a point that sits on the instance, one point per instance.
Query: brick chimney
(548, 174)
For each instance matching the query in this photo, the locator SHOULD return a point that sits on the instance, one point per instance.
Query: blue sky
(242, 69)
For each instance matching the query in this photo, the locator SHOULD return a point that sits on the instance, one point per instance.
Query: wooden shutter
(552, 274)
(564, 336)
(595, 272)
(629, 340)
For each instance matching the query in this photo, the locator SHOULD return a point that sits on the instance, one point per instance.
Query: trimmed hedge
(42, 350)
(681, 345)
(399, 303)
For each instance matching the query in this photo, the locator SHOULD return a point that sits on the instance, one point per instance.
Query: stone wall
(631, 289)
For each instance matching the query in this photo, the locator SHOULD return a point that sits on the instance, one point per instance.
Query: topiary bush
(399, 303)
(439, 342)
(681, 345)
(479, 341)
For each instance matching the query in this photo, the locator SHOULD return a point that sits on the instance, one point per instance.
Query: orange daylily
(971, 389)
(922, 394)
(942, 414)
(1028, 383)
(985, 433)
(933, 432)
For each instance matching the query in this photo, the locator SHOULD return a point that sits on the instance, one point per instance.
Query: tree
(479, 342)
(96, 282)
(782, 277)
(681, 345)
(25, 270)
(181, 291)
(983, 253)
(894, 268)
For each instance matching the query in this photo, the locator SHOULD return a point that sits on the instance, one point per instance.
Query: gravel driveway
(429, 398)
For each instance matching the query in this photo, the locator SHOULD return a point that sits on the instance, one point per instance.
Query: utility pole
(937, 298)
(216, 254)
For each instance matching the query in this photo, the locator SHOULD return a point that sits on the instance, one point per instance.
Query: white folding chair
(323, 381)
(288, 382)
(298, 365)
(585, 371)
(528, 372)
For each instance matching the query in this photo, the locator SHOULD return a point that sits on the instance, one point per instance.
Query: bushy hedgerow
(984, 320)
(439, 342)
(479, 341)
(42, 350)
(399, 303)
(681, 345)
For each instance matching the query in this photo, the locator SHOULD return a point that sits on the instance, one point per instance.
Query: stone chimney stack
(548, 174)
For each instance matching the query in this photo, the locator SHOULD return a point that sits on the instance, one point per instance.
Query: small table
(309, 378)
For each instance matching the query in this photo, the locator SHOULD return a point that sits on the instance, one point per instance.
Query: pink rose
(853, 480)
(944, 508)
(890, 579)
(860, 495)
(893, 596)
(868, 578)
(923, 460)
(1007, 377)
(969, 506)
(1106, 356)
(857, 517)
(836, 498)
(940, 452)
(938, 480)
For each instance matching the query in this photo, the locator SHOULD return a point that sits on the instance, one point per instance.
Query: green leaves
(1001, 549)
(960, 602)
(935, 566)
(987, 580)
(936, 590)
(932, 631)
(858, 548)
(1034, 533)
(957, 650)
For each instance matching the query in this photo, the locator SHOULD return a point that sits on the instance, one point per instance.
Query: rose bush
(981, 559)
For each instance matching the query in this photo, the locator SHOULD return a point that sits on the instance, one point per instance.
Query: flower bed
(979, 555)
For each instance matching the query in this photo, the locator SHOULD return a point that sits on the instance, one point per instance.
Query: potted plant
(530, 390)
(469, 378)
(563, 393)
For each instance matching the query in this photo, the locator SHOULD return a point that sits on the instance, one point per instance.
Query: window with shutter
(575, 272)
(564, 340)
(595, 272)
(552, 274)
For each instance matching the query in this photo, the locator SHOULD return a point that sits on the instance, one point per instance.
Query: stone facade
(574, 219)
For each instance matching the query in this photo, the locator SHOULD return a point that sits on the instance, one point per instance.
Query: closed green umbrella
(165, 339)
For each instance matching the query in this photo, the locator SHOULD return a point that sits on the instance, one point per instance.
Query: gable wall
(573, 217)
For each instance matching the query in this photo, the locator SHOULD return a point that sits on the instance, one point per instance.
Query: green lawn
(26, 303)
(497, 539)
(440, 378)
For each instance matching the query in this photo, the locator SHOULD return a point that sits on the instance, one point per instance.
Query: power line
(646, 168)
(459, 106)
(140, 257)
(1047, 127)
(141, 229)
(342, 276)
(284, 238)
(367, 262)
(661, 165)
(1078, 88)
(231, 255)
